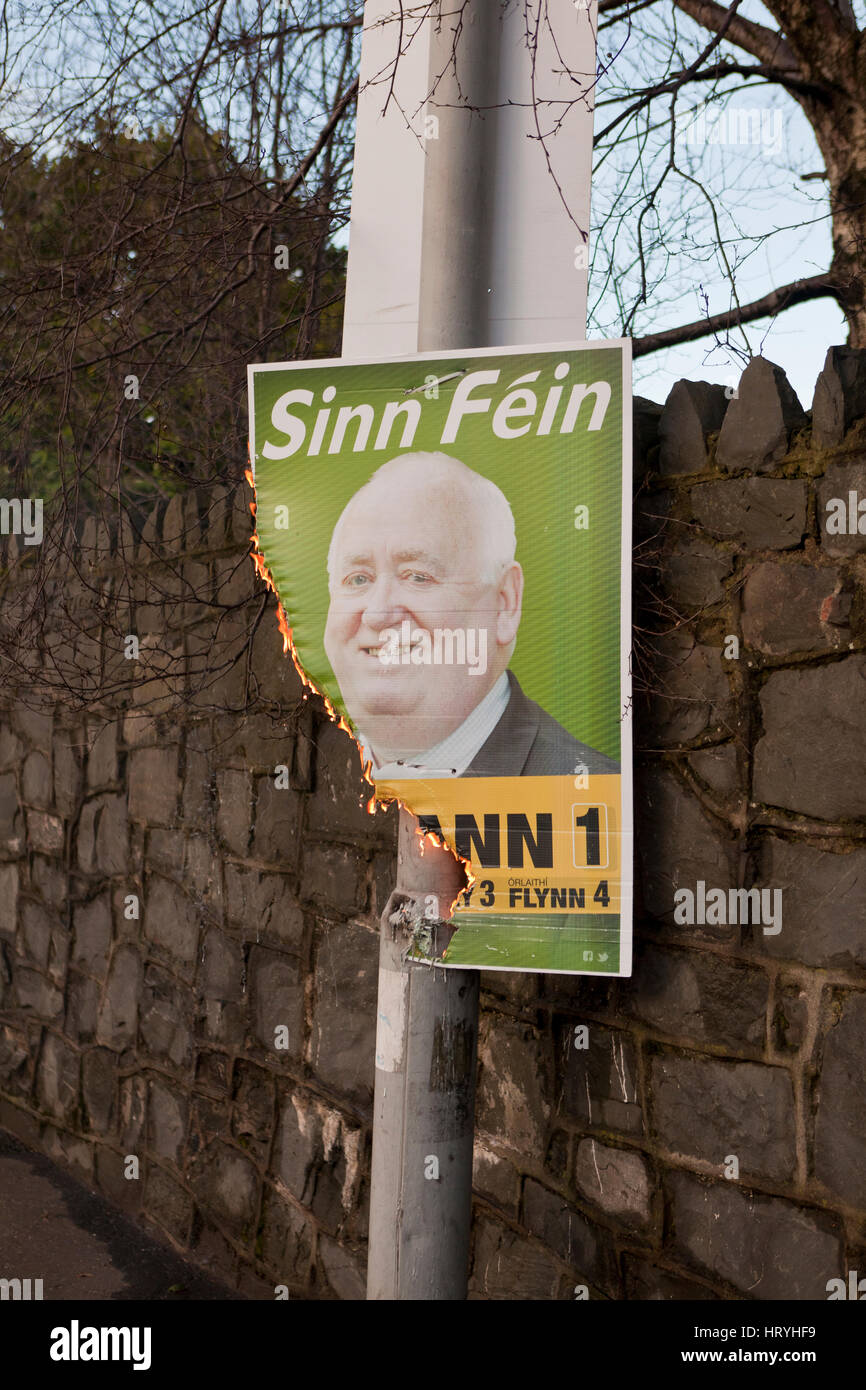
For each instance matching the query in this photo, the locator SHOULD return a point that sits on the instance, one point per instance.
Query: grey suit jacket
(528, 742)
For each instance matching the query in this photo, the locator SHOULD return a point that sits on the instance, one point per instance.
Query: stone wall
(706, 1136)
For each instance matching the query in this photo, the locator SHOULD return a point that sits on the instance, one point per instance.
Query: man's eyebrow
(426, 557)
(361, 558)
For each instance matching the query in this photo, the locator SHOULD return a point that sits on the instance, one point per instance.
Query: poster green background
(568, 648)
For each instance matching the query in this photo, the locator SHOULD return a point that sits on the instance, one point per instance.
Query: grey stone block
(842, 524)
(211, 1071)
(760, 420)
(37, 924)
(153, 785)
(226, 1187)
(495, 1178)
(707, 1109)
(253, 1112)
(812, 757)
(599, 1082)
(344, 1269)
(57, 1078)
(259, 741)
(616, 1180)
(16, 1062)
(102, 753)
(693, 574)
(132, 1111)
(786, 607)
(68, 1151)
(118, 1014)
(97, 1089)
(234, 809)
(717, 767)
(765, 1247)
(693, 410)
(682, 690)
(110, 1178)
(334, 876)
(68, 779)
(646, 415)
(197, 590)
(35, 723)
(512, 1100)
(286, 1239)
(764, 513)
(11, 749)
(45, 832)
(339, 806)
(265, 904)
(91, 924)
(173, 526)
(8, 900)
(36, 781)
(790, 1016)
(165, 851)
(316, 1157)
(298, 1144)
(506, 1266)
(38, 995)
(82, 1007)
(277, 810)
(823, 904)
(112, 837)
(49, 880)
(840, 395)
(342, 1045)
(169, 1203)
(11, 820)
(168, 1116)
(275, 671)
(203, 874)
(699, 996)
(277, 997)
(647, 1283)
(170, 919)
(221, 969)
(197, 790)
(840, 1124)
(164, 1026)
(678, 845)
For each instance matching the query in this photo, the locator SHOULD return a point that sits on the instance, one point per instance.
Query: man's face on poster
(411, 579)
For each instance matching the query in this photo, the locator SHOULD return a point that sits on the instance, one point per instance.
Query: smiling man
(425, 605)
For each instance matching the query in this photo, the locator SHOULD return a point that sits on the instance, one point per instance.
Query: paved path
(54, 1229)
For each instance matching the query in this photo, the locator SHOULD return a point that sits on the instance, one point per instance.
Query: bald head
(474, 508)
(424, 552)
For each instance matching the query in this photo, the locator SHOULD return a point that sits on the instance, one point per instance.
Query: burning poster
(449, 535)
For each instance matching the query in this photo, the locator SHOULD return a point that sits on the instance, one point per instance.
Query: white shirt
(452, 755)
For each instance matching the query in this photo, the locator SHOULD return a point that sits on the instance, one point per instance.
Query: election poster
(449, 536)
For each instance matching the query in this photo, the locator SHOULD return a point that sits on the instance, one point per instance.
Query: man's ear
(509, 605)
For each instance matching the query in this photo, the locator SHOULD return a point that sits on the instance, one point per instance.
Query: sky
(750, 154)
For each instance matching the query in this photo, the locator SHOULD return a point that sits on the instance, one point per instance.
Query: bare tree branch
(756, 39)
(797, 292)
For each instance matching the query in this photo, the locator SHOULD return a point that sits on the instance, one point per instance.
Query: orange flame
(264, 573)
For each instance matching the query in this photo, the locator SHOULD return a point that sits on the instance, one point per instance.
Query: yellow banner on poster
(535, 844)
